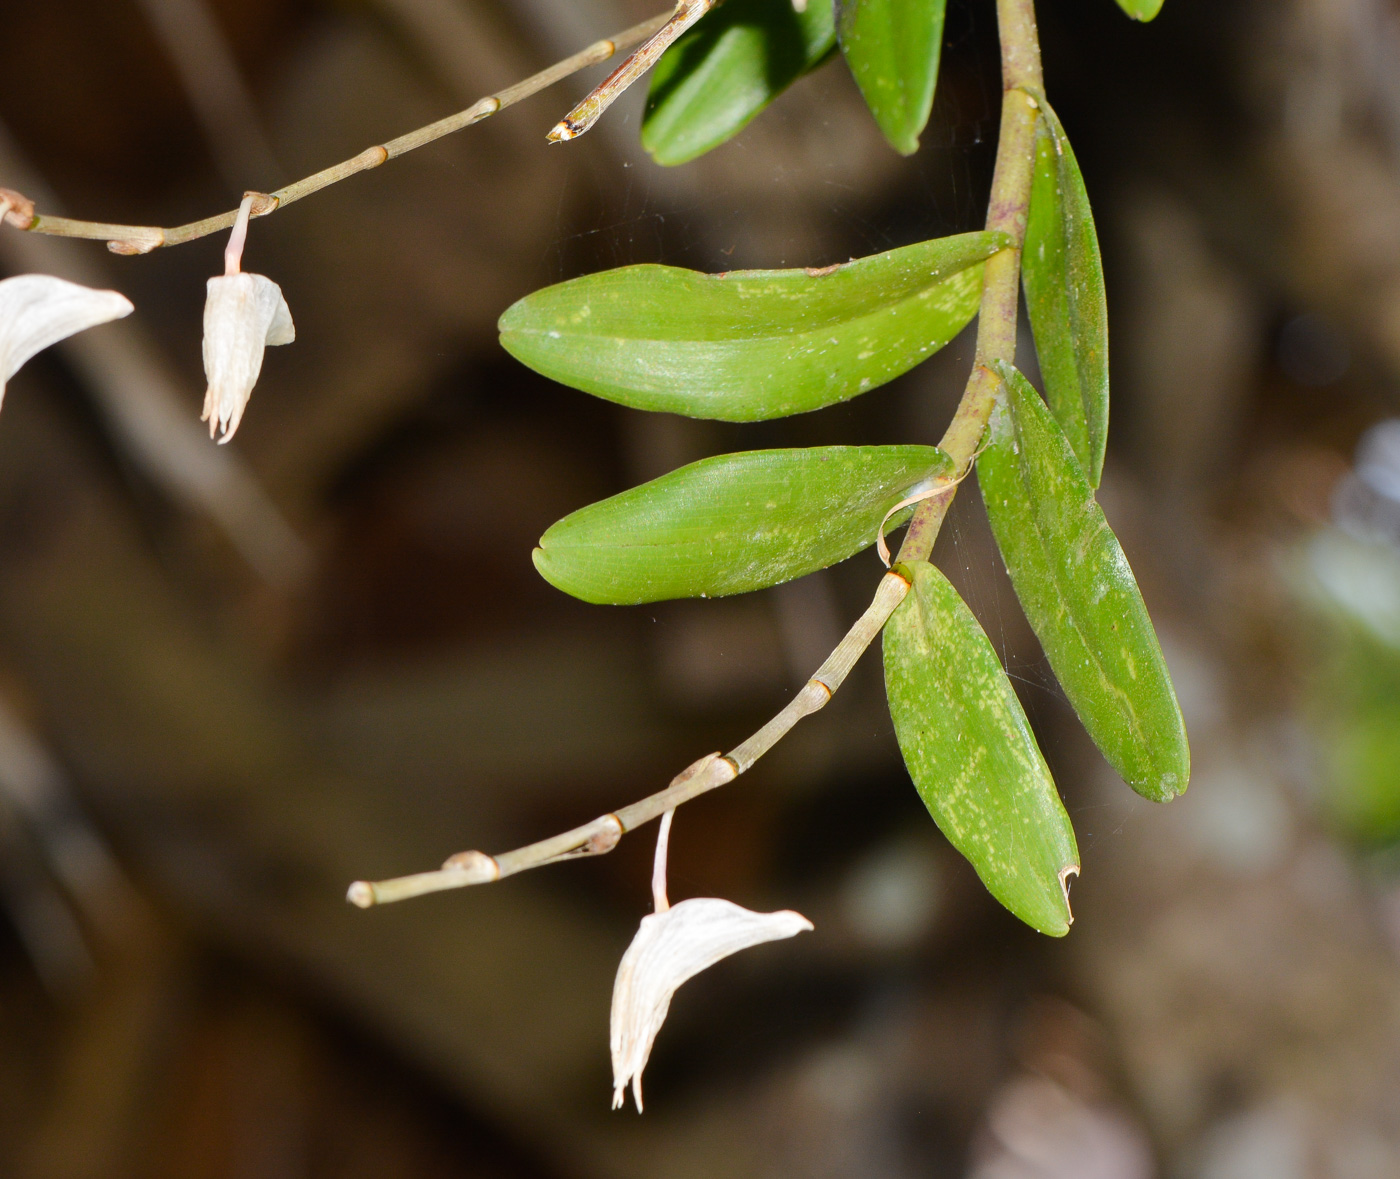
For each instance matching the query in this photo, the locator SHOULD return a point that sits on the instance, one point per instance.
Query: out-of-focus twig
(133, 385)
(53, 860)
(461, 47)
(213, 83)
(33, 786)
(42, 917)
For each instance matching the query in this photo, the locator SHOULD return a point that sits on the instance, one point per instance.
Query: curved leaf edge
(1007, 374)
(940, 466)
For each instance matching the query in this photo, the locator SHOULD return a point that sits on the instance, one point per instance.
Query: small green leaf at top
(892, 48)
(1079, 593)
(1063, 277)
(723, 72)
(734, 523)
(972, 755)
(750, 344)
(1141, 9)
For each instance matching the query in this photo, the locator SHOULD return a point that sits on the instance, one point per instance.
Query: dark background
(233, 680)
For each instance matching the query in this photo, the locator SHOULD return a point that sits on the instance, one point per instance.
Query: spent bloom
(243, 314)
(674, 944)
(38, 310)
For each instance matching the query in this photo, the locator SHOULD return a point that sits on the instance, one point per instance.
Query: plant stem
(712, 770)
(142, 239)
(591, 109)
(996, 340)
(1006, 211)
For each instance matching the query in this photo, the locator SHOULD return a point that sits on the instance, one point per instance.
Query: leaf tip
(1065, 873)
(1171, 785)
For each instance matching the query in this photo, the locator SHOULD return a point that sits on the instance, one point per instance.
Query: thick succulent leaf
(722, 73)
(892, 48)
(1080, 595)
(1141, 9)
(734, 523)
(1063, 276)
(972, 754)
(750, 344)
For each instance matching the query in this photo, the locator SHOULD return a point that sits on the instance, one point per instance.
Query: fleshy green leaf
(731, 65)
(1063, 277)
(750, 344)
(972, 755)
(734, 523)
(1141, 9)
(892, 48)
(1080, 595)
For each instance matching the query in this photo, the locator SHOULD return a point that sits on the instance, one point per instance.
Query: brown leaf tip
(1065, 873)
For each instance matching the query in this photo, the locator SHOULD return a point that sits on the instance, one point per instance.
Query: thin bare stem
(711, 771)
(141, 239)
(996, 322)
(591, 109)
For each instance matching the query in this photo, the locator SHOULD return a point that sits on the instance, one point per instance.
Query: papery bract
(38, 310)
(243, 315)
(670, 947)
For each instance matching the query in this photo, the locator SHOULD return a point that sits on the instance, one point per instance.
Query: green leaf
(750, 344)
(1080, 595)
(892, 48)
(721, 74)
(734, 523)
(972, 755)
(1141, 9)
(1063, 276)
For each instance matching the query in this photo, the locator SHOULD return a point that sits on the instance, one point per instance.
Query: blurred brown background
(234, 679)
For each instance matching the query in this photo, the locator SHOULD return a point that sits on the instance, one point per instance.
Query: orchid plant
(750, 346)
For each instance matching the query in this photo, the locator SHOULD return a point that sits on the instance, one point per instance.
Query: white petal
(243, 314)
(38, 310)
(669, 948)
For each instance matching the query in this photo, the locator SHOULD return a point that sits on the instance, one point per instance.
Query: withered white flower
(675, 944)
(243, 315)
(38, 310)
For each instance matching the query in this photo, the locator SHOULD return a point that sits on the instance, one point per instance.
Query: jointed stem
(1006, 211)
(710, 771)
(996, 340)
(591, 109)
(141, 239)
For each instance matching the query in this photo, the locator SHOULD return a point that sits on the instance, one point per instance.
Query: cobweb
(809, 183)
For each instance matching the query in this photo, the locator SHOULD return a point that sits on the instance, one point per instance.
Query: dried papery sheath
(675, 944)
(38, 310)
(243, 314)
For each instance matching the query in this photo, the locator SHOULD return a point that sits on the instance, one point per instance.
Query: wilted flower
(38, 310)
(243, 314)
(673, 945)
